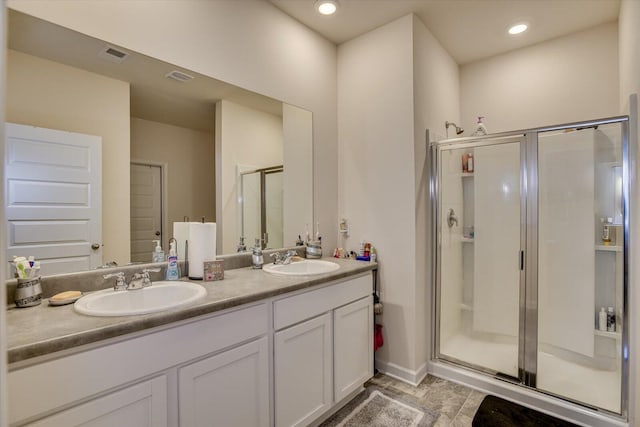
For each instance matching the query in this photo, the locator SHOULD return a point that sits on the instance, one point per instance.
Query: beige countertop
(45, 329)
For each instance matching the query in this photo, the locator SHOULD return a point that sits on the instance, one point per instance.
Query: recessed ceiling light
(327, 7)
(518, 28)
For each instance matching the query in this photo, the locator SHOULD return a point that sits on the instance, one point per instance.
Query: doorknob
(157, 233)
(95, 246)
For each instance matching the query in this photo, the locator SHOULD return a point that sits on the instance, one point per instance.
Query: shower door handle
(521, 260)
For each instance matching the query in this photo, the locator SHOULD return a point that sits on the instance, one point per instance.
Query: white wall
(629, 52)
(244, 137)
(251, 44)
(376, 193)
(386, 100)
(436, 100)
(567, 79)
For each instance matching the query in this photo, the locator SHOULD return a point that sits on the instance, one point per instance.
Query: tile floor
(456, 403)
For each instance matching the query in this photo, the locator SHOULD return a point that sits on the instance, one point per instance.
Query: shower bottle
(480, 128)
(602, 319)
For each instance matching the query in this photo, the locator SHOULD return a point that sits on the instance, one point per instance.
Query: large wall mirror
(107, 148)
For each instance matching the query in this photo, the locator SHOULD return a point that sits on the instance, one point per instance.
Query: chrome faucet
(121, 282)
(283, 258)
(138, 280)
(141, 280)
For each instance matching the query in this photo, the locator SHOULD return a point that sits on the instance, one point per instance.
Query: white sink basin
(161, 295)
(307, 267)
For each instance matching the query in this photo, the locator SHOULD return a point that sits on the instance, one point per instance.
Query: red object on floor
(378, 341)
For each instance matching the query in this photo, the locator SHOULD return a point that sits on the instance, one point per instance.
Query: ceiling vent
(178, 76)
(112, 54)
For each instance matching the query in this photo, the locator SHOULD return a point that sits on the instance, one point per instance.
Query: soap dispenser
(173, 271)
(257, 260)
(158, 253)
(480, 128)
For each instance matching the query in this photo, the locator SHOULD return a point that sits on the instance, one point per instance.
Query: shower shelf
(466, 239)
(606, 334)
(467, 174)
(608, 248)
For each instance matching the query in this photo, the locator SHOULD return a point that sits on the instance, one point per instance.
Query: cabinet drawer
(297, 308)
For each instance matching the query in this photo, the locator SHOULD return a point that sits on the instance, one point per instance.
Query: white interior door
(53, 191)
(146, 210)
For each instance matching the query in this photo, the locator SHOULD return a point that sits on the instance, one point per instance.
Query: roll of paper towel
(202, 247)
(181, 234)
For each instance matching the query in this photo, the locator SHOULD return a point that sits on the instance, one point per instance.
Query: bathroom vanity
(259, 350)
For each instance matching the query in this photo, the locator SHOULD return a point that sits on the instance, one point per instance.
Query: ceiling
(468, 29)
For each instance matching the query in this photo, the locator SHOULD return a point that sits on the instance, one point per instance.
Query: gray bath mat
(375, 407)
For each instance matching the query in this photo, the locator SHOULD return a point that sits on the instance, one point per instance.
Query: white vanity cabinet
(227, 389)
(323, 349)
(353, 346)
(134, 376)
(282, 361)
(303, 371)
(139, 405)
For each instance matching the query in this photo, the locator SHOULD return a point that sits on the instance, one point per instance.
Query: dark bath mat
(497, 412)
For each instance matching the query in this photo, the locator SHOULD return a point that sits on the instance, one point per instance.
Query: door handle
(95, 246)
(157, 233)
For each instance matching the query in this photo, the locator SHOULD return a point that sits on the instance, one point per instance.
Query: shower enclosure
(532, 241)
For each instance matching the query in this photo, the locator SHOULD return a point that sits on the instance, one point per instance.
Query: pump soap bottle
(173, 271)
(158, 253)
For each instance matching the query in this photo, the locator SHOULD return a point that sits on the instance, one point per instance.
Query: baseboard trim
(403, 374)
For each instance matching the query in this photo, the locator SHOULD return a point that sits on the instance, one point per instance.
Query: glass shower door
(580, 248)
(479, 264)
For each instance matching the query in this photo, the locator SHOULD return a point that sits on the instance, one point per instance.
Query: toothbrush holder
(28, 293)
(314, 249)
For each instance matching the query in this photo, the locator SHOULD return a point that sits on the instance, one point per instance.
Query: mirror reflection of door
(146, 210)
(53, 198)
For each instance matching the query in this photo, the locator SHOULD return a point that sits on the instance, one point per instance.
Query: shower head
(459, 130)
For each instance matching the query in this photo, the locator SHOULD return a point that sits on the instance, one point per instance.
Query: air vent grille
(178, 76)
(112, 54)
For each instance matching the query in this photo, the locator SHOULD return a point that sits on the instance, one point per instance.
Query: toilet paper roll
(202, 247)
(181, 234)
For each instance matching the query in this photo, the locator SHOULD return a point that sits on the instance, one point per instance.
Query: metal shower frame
(528, 321)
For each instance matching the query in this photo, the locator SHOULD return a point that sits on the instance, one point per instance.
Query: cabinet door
(353, 341)
(228, 389)
(143, 404)
(303, 371)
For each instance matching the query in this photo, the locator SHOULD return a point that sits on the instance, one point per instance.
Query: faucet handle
(146, 279)
(277, 256)
(121, 283)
